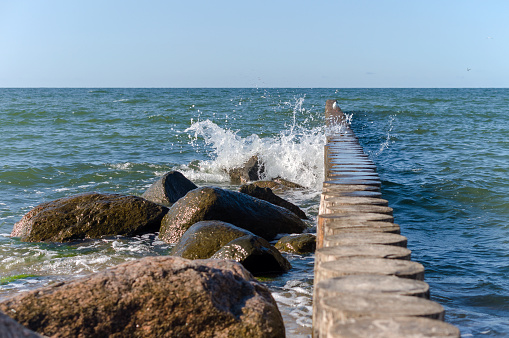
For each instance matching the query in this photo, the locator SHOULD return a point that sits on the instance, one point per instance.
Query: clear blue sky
(276, 43)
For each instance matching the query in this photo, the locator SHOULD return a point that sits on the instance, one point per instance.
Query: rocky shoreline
(220, 237)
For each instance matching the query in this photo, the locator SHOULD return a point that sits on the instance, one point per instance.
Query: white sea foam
(295, 154)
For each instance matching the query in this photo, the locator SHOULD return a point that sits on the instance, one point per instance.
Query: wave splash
(295, 154)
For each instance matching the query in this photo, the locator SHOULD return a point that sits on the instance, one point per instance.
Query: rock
(9, 328)
(153, 297)
(210, 203)
(287, 184)
(204, 238)
(266, 194)
(300, 244)
(252, 170)
(89, 215)
(255, 254)
(277, 185)
(169, 188)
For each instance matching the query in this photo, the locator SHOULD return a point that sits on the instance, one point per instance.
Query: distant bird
(468, 69)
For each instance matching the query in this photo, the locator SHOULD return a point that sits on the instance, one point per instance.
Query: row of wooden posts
(365, 282)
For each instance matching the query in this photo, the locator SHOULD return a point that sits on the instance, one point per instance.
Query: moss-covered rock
(300, 244)
(89, 215)
(255, 254)
(210, 203)
(169, 188)
(204, 238)
(221, 240)
(266, 194)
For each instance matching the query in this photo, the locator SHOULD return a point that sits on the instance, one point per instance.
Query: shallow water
(441, 155)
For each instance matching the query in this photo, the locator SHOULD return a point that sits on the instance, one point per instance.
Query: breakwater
(365, 281)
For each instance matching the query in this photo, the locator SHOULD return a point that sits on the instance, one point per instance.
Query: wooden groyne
(365, 281)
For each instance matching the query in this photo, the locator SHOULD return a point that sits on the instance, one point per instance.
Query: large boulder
(169, 188)
(204, 238)
(255, 254)
(153, 297)
(89, 215)
(210, 203)
(252, 170)
(9, 328)
(223, 240)
(266, 194)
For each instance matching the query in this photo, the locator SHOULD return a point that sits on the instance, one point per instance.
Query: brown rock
(266, 194)
(255, 254)
(252, 170)
(204, 238)
(300, 244)
(210, 203)
(153, 297)
(89, 215)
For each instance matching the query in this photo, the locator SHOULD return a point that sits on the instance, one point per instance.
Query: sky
(276, 43)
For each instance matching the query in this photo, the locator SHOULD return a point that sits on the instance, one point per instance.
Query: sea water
(442, 155)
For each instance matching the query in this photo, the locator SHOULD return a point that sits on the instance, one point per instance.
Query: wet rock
(153, 297)
(210, 203)
(221, 240)
(287, 184)
(255, 254)
(204, 238)
(266, 194)
(89, 215)
(252, 170)
(169, 188)
(278, 185)
(300, 244)
(9, 328)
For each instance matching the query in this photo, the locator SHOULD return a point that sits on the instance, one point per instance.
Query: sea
(442, 155)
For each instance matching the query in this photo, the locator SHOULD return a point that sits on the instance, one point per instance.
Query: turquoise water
(442, 155)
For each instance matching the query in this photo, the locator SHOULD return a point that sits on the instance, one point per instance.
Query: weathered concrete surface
(343, 307)
(153, 297)
(89, 215)
(395, 327)
(365, 237)
(354, 225)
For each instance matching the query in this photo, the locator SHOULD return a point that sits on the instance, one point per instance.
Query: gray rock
(153, 297)
(169, 188)
(89, 215)
(266, 194)
(255, 254)
(210, 203)
(9, 328)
